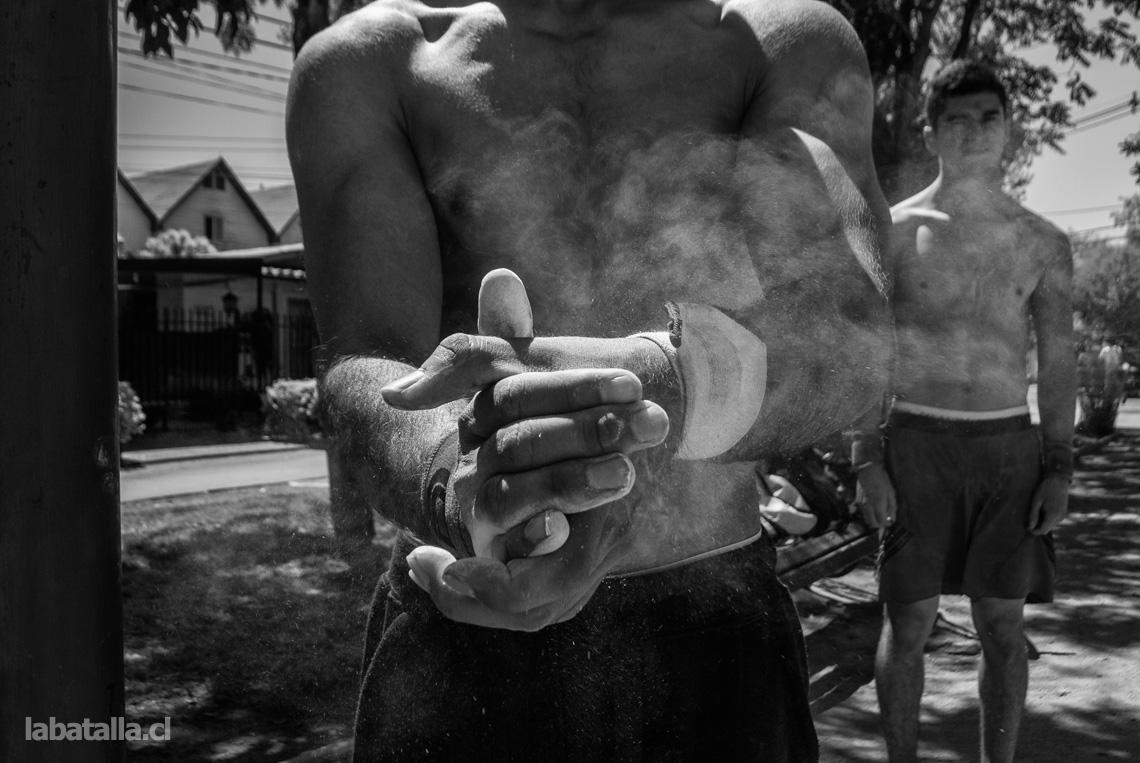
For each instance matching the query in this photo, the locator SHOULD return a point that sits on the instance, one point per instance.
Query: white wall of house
(292, 232)
(133, 223)
(240, 228)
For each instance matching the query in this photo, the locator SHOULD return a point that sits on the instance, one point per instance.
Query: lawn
(241, 624)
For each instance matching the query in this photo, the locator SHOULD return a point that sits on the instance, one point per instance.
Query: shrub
(131, 416)
(291, 411)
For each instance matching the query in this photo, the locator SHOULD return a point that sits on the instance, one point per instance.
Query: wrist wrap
(723, 370)
(1057, 458)
(441, 512)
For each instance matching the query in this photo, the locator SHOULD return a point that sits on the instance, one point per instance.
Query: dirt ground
(1084, 677)
(242, 626)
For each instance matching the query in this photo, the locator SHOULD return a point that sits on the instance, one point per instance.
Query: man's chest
(488, 97)
(955, 270)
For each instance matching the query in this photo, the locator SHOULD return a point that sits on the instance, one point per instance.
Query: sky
(206, 103)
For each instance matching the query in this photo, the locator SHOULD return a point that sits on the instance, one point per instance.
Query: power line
(209, 81)
(224, 138)
(203, 65)
(1078, 210)
(233, 58)
(210, 148)
(190, 172)
(1131, 103)
(196, 99)
(1097, 227)
(1101, 123)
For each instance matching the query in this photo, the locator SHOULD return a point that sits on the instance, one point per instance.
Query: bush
(291, 411)
(131, 416)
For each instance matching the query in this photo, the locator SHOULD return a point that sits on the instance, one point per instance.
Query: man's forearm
(386, 451)
(1056, 401)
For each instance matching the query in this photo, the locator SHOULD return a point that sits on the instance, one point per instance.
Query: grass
(241, 624)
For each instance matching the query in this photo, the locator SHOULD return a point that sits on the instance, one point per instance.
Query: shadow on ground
(1085, 680)
(240, 624)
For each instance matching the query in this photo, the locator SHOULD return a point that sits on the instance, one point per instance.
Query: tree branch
(965, 34)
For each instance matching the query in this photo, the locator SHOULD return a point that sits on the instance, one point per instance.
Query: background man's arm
(372, 257)
(1052, 310)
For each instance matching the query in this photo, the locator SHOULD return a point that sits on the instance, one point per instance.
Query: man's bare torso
(964, 283)
(596, 170)
(596, 149)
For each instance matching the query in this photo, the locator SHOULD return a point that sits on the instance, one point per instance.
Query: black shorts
(704, 661)
(964, 491)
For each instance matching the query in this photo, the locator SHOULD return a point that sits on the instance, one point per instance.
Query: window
(216, 179)
(214, 227)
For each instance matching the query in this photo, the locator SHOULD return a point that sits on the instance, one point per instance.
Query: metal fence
(207, 364)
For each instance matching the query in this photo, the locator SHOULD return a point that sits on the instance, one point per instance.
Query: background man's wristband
(1057, 458)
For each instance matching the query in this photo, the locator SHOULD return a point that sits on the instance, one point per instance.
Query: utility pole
(61, 643)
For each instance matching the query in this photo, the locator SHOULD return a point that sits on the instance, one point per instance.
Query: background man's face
(971, 132)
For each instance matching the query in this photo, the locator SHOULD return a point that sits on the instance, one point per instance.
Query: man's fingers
(504, 309)
(540, 535)
(509, 500)
(536, 442)
(545, 393)
(446, 581)
(538, 585)
(459, 367)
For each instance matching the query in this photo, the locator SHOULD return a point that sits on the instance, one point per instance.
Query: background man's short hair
(962, 77)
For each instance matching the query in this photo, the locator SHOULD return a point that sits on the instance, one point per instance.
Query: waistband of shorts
(959, 427)
(699, 557)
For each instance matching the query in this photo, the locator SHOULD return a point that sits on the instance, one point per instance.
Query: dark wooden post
(61, 643)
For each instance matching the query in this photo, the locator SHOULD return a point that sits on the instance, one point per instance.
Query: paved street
(194, 476)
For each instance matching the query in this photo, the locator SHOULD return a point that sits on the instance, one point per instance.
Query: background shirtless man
(617, 156)
(976, 490)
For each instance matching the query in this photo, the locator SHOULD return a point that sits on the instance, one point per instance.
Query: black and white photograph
(569, 381)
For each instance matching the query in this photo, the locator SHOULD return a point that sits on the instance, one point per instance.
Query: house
(217, 326)
(206, 199)
(279, 205)
(136, 221)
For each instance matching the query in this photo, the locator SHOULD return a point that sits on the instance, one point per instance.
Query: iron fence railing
(203, 363)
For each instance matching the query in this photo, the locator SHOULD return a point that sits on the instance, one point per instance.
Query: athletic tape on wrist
(723, 370)
(443, 513)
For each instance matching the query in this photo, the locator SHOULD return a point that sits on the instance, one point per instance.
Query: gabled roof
(278, 204)
(164, 190)
(134, 194)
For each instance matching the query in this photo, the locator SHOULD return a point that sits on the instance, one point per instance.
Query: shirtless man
(976, 490)
(592, 581)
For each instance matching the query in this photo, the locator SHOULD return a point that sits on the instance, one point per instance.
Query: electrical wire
(182, 63)
(187, 136)
(196, 99)
(209, 81)
(233, 58)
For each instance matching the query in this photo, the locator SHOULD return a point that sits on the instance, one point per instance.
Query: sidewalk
(166, 472)
(193, 453)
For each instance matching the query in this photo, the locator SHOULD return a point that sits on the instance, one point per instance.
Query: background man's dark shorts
(964, 491)
(704, 661)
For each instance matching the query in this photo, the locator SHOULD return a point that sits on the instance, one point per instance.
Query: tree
(1106, 301)
(160, 20)
(907, 39)
(175, 243)
(904, 39)
(1106, 279)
